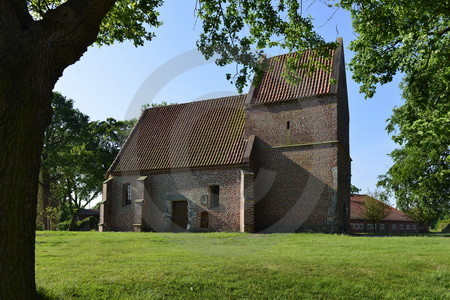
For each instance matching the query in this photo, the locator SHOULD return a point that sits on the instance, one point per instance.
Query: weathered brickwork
(299, 183)
(310, 120)
(294, 189)
(161, 189)
(247, 204)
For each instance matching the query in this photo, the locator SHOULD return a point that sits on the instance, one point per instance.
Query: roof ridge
(196, 101)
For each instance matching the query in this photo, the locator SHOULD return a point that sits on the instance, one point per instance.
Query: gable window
(214, 195)
(127, 194)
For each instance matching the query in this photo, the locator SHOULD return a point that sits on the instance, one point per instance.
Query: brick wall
(310, 120)
(343, 134)
(296, 165)
(121, 215)
(162, 188)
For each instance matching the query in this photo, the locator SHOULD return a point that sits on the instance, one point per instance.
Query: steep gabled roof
(195, 134)
(274, 88)
(356, 202)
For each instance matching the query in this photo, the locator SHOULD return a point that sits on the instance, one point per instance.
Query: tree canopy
(374, 210)
(76, 155)
(411, 38)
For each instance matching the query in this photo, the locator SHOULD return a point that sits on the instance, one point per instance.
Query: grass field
(92, 265)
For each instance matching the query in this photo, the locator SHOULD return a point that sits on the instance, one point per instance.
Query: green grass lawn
(93, 265)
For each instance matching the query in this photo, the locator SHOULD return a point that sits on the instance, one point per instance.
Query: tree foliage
(396, 36)
(77, 154)
(411, 38)
(354, 189)
(374, 210)
(232, 27)
(127, 20)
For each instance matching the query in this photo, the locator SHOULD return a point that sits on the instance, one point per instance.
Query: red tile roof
(274, 88)
(195, 134)
(211, 132)
(356, 202)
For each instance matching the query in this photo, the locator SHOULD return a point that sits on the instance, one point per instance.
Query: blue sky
(114, 81)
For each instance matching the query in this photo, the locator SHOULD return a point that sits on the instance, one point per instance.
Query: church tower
(300, 157)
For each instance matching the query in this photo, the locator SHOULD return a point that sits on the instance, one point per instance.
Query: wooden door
(180, 216)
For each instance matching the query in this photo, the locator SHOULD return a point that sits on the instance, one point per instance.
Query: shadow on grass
(43, 295)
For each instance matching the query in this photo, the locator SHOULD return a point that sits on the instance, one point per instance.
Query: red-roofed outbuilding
(396, 222)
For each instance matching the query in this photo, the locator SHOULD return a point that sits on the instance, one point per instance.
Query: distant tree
(159, 104)
(374, 210)
(67, 130)
(75, 157)
(354, 189)
(88, 162)
(421, 216)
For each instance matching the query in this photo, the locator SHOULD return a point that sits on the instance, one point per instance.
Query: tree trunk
(73, 222)
(25, 112)
(33, 55)
(44, 200)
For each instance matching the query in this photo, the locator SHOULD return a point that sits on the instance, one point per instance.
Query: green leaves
(77, 153)
(130, 20)
(394, 36)
(231, 27)
(127, 20)
(374, 210)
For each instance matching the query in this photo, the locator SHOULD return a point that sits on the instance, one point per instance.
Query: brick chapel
(274, 160)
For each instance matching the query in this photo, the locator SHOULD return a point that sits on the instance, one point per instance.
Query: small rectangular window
(394, 226)
(369, 226)
(127, 194)
(204, 219)
(414, 227)
(407, 226)
(381, 226)
(361, 226)
(401, 226)
(214, 195)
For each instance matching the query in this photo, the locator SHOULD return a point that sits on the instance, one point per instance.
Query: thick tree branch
(440, 32)
(14, 14)
(65, 32)
(21, 9)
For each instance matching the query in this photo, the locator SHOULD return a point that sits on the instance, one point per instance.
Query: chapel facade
(276, 159)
